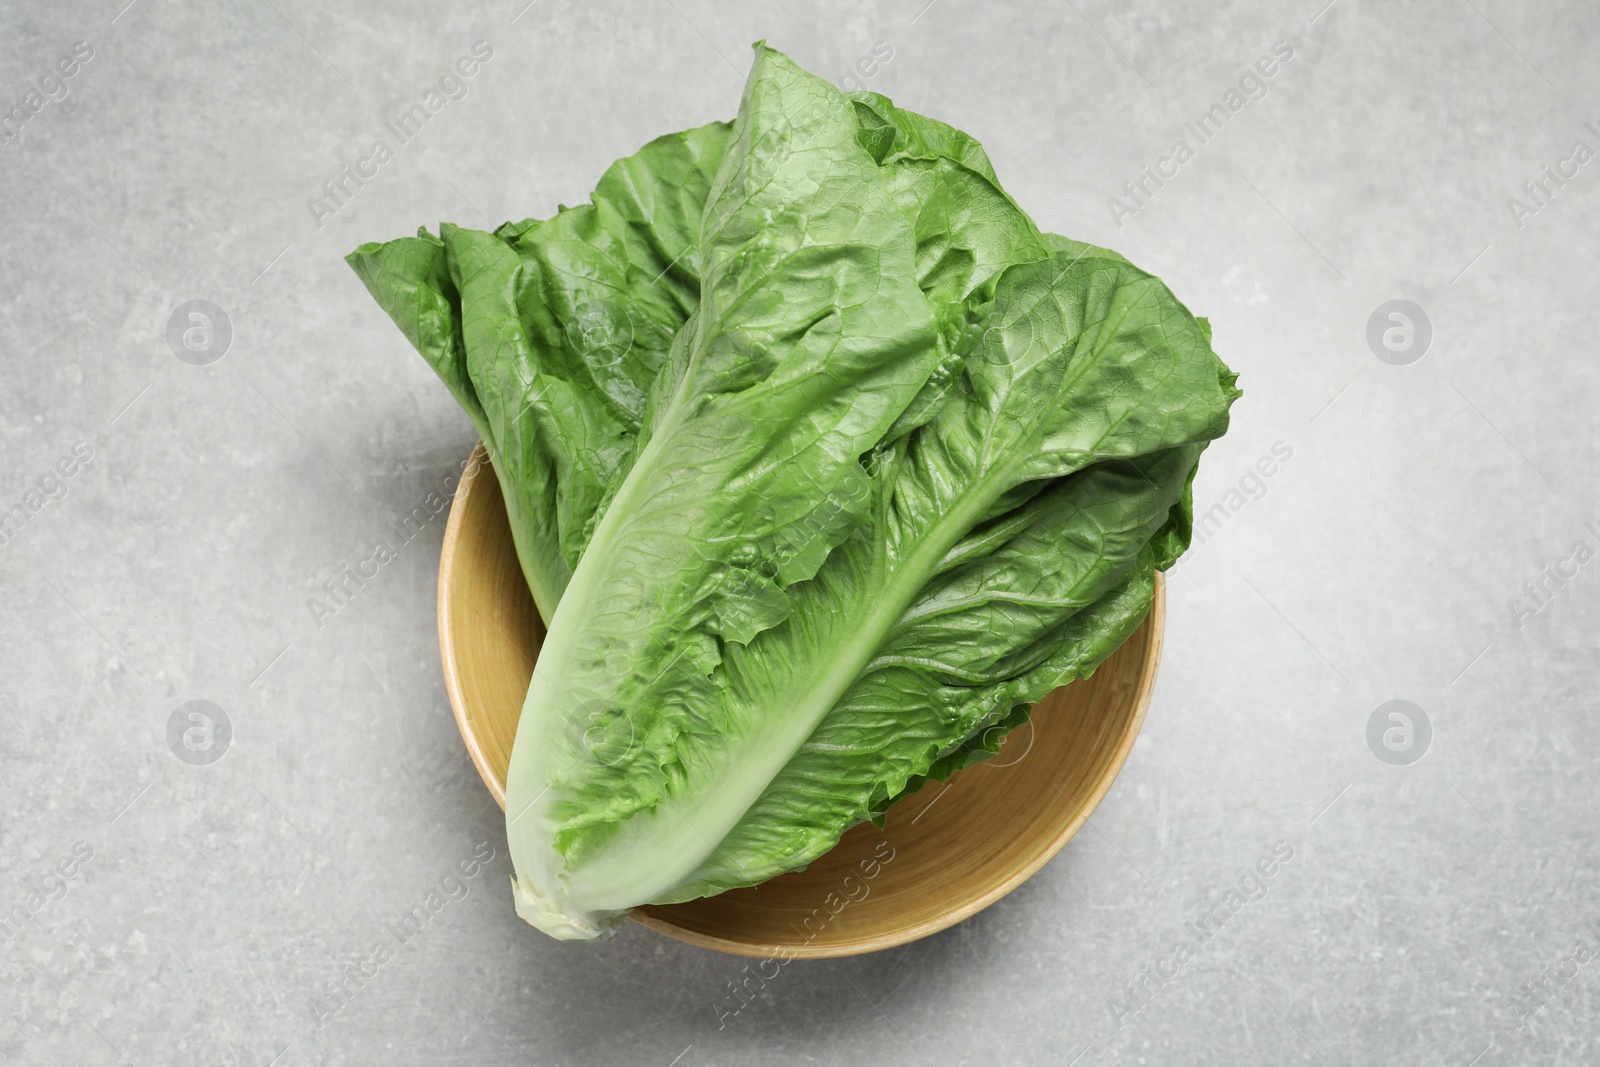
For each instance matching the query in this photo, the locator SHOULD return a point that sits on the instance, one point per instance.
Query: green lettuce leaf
(811, 338)
(551, 334)
(927, 628)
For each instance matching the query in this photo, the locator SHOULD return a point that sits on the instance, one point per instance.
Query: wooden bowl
(946, 853)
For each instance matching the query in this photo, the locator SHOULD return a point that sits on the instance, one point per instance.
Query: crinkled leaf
(551, 333)
(810, 338)
(1092, 380)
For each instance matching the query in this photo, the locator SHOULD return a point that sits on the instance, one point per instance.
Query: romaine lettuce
(883, 465)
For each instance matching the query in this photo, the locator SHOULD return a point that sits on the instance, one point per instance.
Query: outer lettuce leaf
(550, 334)
(810, 339)
(922, 631)
(1106, 624)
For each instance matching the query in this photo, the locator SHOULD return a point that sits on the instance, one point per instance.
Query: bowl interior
(945, 853)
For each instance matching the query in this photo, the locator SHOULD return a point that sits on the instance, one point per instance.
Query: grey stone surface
(1376, 563)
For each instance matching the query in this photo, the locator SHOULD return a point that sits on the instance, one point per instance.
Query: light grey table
(165, 911)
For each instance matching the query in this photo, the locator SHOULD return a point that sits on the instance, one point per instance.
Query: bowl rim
(448, 553)
(1153, 628)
